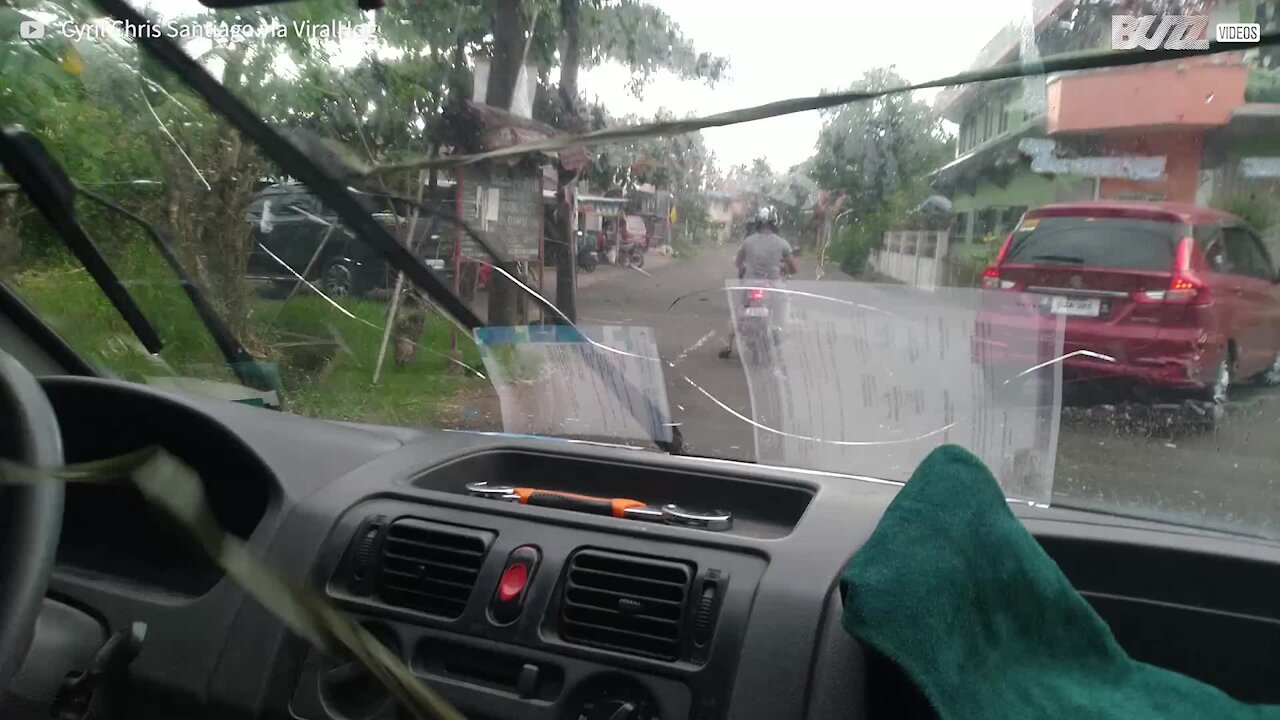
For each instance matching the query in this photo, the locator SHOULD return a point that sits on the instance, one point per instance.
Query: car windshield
(838, 285)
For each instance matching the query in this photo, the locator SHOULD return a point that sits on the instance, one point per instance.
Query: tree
(871, 149)
(681, 164)
(791, 193)
(508, 57)
(640, 36)
(645, 39)
(570, 57)
(133, 119)
(877, 153)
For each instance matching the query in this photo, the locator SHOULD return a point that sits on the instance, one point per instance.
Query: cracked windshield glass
(1068, 268)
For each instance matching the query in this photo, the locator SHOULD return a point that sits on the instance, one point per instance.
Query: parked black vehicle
(291, 224)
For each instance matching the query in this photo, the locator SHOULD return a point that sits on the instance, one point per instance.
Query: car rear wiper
(51, 191)
(1060, 258)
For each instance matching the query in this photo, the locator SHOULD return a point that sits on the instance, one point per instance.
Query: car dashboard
(517, 611)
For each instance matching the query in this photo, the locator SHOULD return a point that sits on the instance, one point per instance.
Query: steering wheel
(30, 515)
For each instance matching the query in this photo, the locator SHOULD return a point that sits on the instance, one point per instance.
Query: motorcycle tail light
(756, 295)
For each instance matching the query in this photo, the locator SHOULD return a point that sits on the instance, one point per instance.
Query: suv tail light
(991, 275)
(1185, 287)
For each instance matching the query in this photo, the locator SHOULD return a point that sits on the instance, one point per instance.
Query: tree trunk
(10, 232)
(460, 78)
(567, 264)
(508, 55)
(570, 57)
(508, 52)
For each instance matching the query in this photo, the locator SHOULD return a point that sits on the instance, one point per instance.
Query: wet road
(1225, 479)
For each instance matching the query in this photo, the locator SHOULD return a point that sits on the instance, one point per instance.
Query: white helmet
(766, 215)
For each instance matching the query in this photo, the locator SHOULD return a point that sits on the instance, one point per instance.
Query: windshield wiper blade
(294, 161)
(50, 190)
(239, 360)
(297, 163)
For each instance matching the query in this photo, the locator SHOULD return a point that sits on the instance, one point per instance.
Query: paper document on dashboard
(597, 382)
(867, 379)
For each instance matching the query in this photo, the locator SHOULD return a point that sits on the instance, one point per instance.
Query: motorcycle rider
(764, 255)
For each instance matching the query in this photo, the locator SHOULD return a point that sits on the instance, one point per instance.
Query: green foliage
(646, 40)
(865, 233)
(790, 193)
(877, 154)
(111, 116)
(326, 359)
(341, 385)
(681, 163)
(874, 149)
(1258, 210)
(1263, 86)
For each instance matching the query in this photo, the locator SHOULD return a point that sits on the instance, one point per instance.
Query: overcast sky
(789, 48)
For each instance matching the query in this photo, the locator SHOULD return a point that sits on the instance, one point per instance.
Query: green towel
(954, 591)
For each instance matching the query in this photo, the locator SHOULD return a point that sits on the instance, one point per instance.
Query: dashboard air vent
(430, 567)
(626, 603)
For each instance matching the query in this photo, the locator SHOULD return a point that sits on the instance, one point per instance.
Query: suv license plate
(1081, 307)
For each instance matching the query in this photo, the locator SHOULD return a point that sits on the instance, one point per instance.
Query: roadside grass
(332, 377)
(326, 359)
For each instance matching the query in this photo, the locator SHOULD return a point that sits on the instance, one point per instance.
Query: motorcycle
(631, 254)
(587, 259)
(759, 326)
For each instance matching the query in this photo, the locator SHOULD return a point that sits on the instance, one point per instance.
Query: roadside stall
(598, 219)
(502, 200)
(655, 206)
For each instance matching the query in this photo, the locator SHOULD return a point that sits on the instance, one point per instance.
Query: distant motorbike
(632, 254)
(587, 259)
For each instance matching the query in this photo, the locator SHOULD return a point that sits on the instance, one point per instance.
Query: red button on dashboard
(513, 582)
(508, 598)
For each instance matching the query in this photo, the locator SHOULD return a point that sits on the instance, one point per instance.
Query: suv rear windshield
(1119, 243)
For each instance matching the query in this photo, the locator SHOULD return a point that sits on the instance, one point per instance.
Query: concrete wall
(1190, 92)
(1182, 152)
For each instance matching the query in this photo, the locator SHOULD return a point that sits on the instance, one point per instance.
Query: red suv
(1179, 296)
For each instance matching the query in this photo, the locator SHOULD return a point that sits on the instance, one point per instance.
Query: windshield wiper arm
(50, 190)
(294, 161)
(241, 363)
(297, 163)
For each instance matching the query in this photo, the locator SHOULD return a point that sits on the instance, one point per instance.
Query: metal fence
(915, 257)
